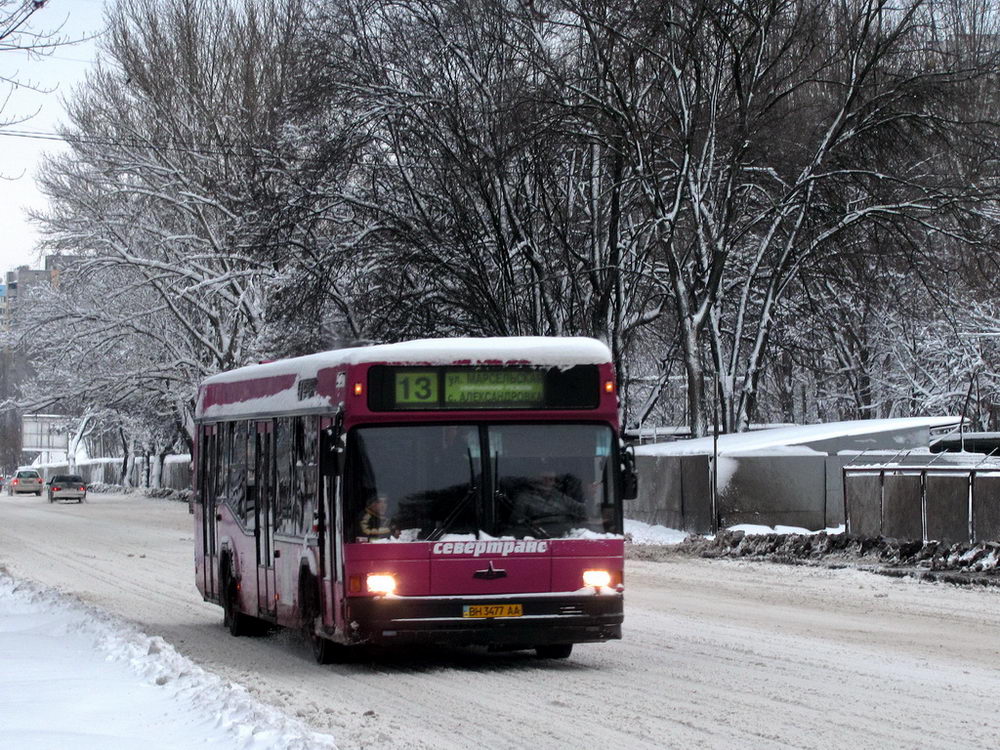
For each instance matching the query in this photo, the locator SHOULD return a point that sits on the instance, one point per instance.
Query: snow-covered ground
(716, 654)
(74, 677)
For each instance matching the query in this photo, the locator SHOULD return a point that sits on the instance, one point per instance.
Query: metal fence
(942, 503)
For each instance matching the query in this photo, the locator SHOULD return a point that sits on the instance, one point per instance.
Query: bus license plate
(491, 610)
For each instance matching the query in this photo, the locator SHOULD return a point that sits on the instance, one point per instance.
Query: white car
(25, 481)
(67, 487)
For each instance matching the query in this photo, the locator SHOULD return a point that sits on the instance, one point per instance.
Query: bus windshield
(429, 482)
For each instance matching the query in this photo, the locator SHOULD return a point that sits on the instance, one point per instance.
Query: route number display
(477, 388)
(416, 388)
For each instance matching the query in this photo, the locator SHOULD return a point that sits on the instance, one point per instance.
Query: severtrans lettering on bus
(461, 491)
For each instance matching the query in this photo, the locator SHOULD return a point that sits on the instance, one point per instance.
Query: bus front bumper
(542, 619)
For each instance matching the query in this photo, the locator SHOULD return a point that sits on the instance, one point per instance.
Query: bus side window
(207, 449)
(264, 465)
(284, 456)
(305, 473)
(250, 493)
(219, 467)
(237, 468)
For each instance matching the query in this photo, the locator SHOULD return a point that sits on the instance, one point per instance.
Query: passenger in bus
(375, 522)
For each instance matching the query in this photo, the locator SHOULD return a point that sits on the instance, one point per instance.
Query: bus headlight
(381, 583)
(596, 578)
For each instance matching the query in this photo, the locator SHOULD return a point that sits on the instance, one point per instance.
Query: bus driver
(375, 521)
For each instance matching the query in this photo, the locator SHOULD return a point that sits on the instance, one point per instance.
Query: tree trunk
(126, 458)
(695, 384)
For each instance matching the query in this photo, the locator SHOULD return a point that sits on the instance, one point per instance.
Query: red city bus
(461, 491)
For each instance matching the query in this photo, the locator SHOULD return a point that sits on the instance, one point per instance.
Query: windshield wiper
(500, 495)
(453, 515)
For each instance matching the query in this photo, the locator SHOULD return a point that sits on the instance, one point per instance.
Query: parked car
(23, 481)
(67, 487)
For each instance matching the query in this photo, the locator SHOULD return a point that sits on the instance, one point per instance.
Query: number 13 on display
(417, 388)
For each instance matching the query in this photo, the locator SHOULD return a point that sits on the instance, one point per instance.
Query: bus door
(264, 532)
(331, 543)
(208, 489)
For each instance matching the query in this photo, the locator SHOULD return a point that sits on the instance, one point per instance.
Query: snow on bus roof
(556, 351)
(763, 440)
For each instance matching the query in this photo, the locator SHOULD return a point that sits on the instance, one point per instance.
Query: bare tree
(20, 33)
(772, 130)
(158, 194)
(493, 203)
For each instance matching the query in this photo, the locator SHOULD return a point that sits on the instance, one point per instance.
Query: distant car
(23, 481)
(67, 487)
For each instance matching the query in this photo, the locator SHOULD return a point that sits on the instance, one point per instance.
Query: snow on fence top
(273, 386)
(773, 440)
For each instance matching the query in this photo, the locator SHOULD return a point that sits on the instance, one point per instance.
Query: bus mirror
(630, 481)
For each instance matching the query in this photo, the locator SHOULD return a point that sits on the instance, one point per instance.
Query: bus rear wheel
(554, 651)
(233, 620)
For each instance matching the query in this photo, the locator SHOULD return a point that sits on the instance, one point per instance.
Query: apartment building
(18, 282)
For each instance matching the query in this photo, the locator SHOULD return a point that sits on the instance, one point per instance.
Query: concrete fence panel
(863, 498)
(834, 481)
(947, 507)
(98, 470)
(752, 493)
(111, 472)
(696, 493)
(92, 470)
(986, 507)
(177, 473)
(902, 511)
(659, 500)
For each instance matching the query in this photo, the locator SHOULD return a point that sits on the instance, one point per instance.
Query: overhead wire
(219, 150)
(222, 149)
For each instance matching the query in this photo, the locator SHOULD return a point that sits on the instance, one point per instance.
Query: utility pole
(715, 455)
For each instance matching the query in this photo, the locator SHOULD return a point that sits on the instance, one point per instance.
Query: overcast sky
(56, 76)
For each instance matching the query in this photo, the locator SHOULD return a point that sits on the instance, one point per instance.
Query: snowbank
(74, 676)
(644, 533)
(750, 529)
(958, 563)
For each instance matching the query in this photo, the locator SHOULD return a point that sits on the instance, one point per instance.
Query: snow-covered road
(716, 653)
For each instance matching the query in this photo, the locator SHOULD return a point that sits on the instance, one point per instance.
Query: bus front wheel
(324, 650)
